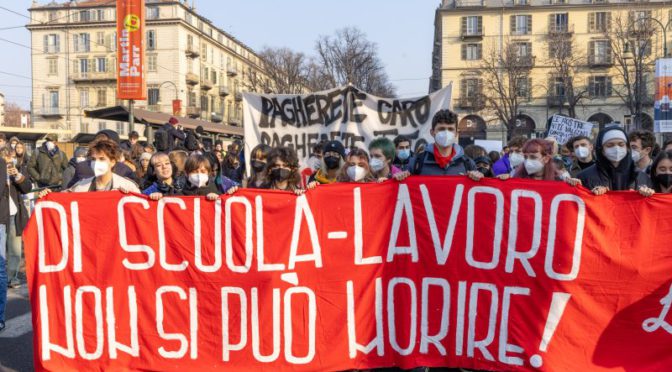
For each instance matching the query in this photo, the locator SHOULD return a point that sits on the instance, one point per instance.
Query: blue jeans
(14, 244)
(3, 272)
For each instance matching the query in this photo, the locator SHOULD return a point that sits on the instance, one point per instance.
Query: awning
(32, 134)
(120, 113)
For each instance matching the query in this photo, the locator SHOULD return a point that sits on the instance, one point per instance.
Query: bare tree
(286, 71)
(565, 61)
(630, 40)
(349, 58)
(505, 82)
(13, 115)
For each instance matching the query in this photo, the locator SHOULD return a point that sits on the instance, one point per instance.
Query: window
(152, 12)
(558, 87)
(102, 97)
(151, 39)
(53, 98)
(84, 16)
(599, 22)
(471, 52)
(84, 98)
(640, 20)
(113, 43)
(153, 96)
(599, 52)
(523, 87)
(100, 14)
(471, 26)
(82, 42)
(101, 65)
(523, 50)
(100, 38)
(53, 66)
(560, 49)
(559, 22)
(120, 127)
(213, 75)
(204, 52)
(53, 15)
(204, 103)
(52, 43)
(521, 24)
(471, 88)
(83, 67)
(200, 25)
(151, 63)
(600, 86)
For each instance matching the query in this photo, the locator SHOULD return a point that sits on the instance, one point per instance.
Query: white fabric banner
(346, 114)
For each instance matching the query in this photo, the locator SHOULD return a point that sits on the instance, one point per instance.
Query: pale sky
(403, 30)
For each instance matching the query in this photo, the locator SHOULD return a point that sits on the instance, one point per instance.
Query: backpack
(419, 163)
(161, 141)
(191, 142)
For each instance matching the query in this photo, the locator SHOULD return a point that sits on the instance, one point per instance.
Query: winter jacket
(83, 170)
(210, 188)
(118, 182)
(426, 165)
(403, 164)
(603, 173)
(577, 167)
(13, 190)
(69, 172)
(46, 167)
(502, 166)
(174, 135)
(175, 188)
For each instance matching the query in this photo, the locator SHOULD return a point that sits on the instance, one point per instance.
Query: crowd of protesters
(177, 163)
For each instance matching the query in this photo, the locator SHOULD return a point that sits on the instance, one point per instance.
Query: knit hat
(613, 134)
(173, 120)
(145, 156)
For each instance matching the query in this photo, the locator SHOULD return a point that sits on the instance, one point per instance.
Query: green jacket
(46, 169)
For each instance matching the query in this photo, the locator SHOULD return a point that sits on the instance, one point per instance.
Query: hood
(459, 151)
(114, 136)
(602, 160)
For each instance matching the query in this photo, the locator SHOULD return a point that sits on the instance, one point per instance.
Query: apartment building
(599, 35)
(187, 59)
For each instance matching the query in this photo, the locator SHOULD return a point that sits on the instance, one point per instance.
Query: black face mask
(258, 166)
(664, 179)
(280, 174)
(332, 162)
(485, 171)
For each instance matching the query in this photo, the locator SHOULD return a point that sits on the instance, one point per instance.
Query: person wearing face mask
(661, 175)
(582, 148)
(258, 160)
(484, 165)
(403, 151)
(382, 152)
(313, 163)
(614, 169)
(642, 144)
(538, 163)
(13, 213)
(282, 171)
(47, 165)
(69, 172)
(84, 170)
(507, 164)
(444, 157)
(164, 181)
(357, 168)
(199, 183)
(333, 155)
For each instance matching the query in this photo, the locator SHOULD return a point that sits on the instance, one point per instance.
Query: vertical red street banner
(130, 67)
(177, 107)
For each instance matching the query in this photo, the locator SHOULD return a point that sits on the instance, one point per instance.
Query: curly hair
(444, 117)
(108, 147)
(289, 157)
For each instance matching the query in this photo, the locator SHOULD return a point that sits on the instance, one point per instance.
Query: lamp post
(176, 91)
(663, 27)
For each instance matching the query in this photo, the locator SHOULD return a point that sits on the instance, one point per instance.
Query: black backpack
(191, 142)
(161, 141)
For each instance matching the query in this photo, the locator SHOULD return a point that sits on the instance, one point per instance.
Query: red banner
(500, 275)
(130, 67)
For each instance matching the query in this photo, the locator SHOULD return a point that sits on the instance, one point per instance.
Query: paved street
(16, 341)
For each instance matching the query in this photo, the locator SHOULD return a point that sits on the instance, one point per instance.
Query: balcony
(468, 35)
(238, 96)
(235, 120)
(560, 29)
(206, 84)
(50, 112)
(525, 61)
(193, 112)
(469, 3)
(473, 103)
(192, 52)
(216, 118)
(231, 71)
(94, 77)
(556, 101)
(223, 91)
(600, 61)
(192, 79)
(155, 108)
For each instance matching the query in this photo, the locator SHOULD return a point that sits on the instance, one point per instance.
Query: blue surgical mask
(404, 154)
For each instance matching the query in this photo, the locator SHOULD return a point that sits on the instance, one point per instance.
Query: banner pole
(131, 117)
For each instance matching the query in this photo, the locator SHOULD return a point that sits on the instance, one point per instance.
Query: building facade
(474, 37)
(187, 59)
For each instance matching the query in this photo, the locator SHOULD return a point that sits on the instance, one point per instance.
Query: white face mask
(445, 138)
(376, 164)
(516, 159)
(404, 154)
(582, 152)
(198, 179)
(533, 166)
(636, 156)
(80, 159)
(100, 167)
(615, 153)
(50, 146)
(356, 173)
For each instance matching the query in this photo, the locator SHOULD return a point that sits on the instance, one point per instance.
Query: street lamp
(663, 27)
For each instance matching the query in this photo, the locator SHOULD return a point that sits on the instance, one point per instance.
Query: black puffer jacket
(603, 173)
